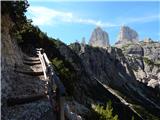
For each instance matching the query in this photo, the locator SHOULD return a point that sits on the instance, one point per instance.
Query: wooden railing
(54, 83)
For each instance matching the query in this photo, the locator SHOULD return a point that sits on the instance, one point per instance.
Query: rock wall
(10, 55)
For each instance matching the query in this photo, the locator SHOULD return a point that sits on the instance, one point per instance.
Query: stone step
(31, 59)
(34, 68)
(24, 99)
(31, 63)
(32, 73)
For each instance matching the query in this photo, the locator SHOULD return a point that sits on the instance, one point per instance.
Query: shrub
(105, 113)
(66, 74)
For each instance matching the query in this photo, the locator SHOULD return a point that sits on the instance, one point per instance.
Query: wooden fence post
(53, 79)
(62, 100)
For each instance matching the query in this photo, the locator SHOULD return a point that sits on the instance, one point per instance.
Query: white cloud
(47, 16)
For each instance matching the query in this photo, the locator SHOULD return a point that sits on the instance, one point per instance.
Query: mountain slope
(91, 75)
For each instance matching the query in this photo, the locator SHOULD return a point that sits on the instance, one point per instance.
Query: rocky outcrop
(112, 68)
(151, 50)
(99, 38)
(126, 35)
(135, 50)
(144, 59)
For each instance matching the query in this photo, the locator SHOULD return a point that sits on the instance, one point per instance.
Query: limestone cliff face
(144, 59)
(99, 38)
(126, 35)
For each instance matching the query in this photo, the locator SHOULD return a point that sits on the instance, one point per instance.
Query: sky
(71, 21)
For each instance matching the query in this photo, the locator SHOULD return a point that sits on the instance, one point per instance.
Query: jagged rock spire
(99, 38)
(127, 34)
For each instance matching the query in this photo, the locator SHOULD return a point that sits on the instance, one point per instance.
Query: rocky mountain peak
(99, 38)
(128, 34)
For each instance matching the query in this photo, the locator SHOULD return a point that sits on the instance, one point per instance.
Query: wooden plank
(46, 58)
(31, 59)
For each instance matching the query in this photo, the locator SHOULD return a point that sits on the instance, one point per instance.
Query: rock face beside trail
(127, 35)
(99, 38)
(16, 82)
(144, 59)
(11, 55)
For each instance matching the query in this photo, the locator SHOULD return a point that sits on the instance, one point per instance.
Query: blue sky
(70, 21)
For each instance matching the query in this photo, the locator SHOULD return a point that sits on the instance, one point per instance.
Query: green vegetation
(16, 11)
(104, 113)
(150, 62)
(66, 74)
